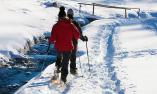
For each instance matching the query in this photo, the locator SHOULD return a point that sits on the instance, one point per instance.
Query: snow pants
(73, 55)
(73, 59)
(63, 62)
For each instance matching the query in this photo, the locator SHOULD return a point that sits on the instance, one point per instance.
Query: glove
(85, 38)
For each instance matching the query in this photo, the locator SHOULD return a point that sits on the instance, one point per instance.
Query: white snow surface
(20, 21)
(136, 63)
(122, 52)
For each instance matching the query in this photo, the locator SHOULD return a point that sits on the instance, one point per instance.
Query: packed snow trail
(135, 59)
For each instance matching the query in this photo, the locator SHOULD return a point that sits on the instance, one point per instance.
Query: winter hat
(62, 12)
(70, 12)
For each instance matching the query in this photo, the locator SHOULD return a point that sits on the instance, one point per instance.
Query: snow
(122, 52)
(137, 68)
(136, 35)
(140, 73)
(20, 22)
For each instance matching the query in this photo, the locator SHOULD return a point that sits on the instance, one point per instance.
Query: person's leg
(73, 59)
(73, 69)
(65, 62)
(58, 61)
(73, 62)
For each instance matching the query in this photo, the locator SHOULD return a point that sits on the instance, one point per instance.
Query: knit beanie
(61, 12)
(70, 12)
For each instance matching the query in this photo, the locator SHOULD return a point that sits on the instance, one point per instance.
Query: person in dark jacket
(73, 69)
(62, 34)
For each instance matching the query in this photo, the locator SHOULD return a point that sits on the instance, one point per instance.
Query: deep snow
(20, 22)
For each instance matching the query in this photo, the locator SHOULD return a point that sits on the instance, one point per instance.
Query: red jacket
(62, 35)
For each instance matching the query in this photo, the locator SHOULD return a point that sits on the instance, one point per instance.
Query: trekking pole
(87, 55)
(48, 48)
(42, 67)
(46, 53)
(80, 64)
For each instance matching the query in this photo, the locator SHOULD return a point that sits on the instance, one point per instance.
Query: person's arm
(83, 38)
(79, 28)
(76, 32)
(52, 38)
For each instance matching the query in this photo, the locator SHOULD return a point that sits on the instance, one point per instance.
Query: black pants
(73, 55)
(62, 62)
(73, 59)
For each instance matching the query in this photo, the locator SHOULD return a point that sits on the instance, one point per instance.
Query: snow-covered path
(135, 59)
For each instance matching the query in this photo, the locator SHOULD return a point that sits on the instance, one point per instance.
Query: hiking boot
(73, 71)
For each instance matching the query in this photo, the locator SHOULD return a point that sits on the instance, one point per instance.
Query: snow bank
(20, 22)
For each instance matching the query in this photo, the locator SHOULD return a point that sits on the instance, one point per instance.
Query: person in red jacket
(62, 34)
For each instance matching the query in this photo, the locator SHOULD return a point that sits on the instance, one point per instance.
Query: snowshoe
(56, 75)
(73, 71)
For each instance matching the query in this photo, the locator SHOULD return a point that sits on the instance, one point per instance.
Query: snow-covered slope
(20, 22)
